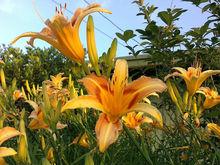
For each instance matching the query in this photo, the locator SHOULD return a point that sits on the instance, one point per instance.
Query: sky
(18, 16)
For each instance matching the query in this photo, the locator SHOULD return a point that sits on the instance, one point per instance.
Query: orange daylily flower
(134, 120)
(17, 94)
(37, 116)
(214, 128)
(5, 134)
(193, 77)
(37, 121)
(212, 97)
(116, 98)
(63, 34)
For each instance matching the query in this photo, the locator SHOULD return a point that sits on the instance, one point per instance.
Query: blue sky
(19, 16)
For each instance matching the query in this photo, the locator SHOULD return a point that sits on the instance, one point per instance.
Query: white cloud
(7, 6)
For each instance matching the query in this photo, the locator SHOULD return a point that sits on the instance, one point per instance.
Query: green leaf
(178, 13)
(128, 34)
(119, 35)
(204, 29)
(196, 2)
(165, 17)
(206, 7)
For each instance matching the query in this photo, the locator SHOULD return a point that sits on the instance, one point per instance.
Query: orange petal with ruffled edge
(98, 86)
(106, 132)
(140, 88)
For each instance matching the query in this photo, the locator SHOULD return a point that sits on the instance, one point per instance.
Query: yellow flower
(38, 118)
(116, 98)
(212, 97)
(37, 121)
(17, 94)
(5, 134)
(214, 128)
(193, 77)
(56, 81)
(134, 120)
(82, 140)
(63, 34)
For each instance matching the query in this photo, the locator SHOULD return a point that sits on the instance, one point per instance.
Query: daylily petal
(34, 105)
(45, 31)
(149, 110)
(63, 34)
(134, 120)
(90, 9)
(83, 102)
(82, 140)
(147, 120)
(141, 88)
(98, 86)
(38, 122)
(106, 132)
(209, 103)
(68, 37)
(179, 69)
(4, 151)
(60, 125)
(7, 133)
(212, 97)
(35, 35)
(193, 77)
(173, 75)
(95, 84)
(204, 75)
(2, 161)
(192, 85)
(119, 79)
(214, 128)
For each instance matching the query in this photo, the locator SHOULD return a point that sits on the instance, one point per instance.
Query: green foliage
(180, 141)
(168, 46)
(127, 35)
(169, 16)
(34, 64)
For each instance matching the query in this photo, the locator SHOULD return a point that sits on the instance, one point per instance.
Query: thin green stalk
(189, 103)
(56, 150)
(86, 68)
(147, 158)
(97, 71)
(83, 156)
(145, 148)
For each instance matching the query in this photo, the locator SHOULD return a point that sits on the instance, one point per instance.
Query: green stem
(86, 68)
(189, 103)
(109, 69)
(97, 71)
(137, 145)
(55, 146)
(145, 148)
(83, 156)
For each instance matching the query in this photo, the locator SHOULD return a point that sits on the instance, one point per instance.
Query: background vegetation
(167, 46)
